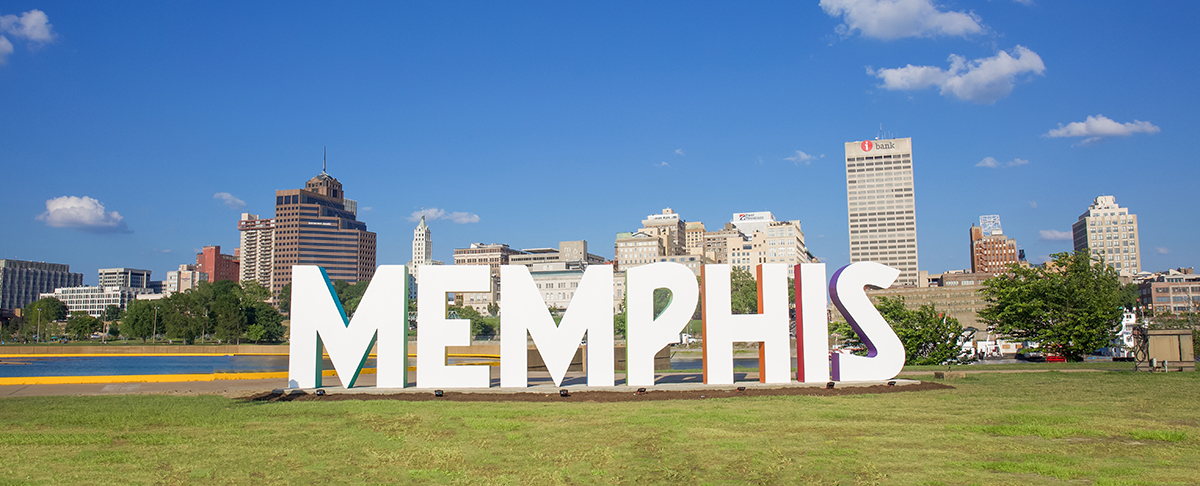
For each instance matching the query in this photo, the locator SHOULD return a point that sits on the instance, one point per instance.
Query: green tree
(478, 325)
(339, 287)
(928, 336)
(1129, 296)
(183, 316)
(662, 298)
(40, 315)
(620, 326)
(744, 292)
(111, 313)
(493, 309)
(284, 299)
(1071, 306)
(11, 328)
(255, 291)
(231, 319)
(351, 294)
(81, 325)
(139, 319)
(845, 336)
(266, 323)
(52, 309)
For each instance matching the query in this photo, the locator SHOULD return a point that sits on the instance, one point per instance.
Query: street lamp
(154, 334)
(38, 337)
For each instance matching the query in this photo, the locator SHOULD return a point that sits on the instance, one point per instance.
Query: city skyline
(141, 136)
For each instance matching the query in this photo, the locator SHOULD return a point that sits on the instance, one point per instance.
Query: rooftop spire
(324, 155)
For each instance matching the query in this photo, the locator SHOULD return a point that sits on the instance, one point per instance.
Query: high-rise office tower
(422, 251)
(22, 282)
(258, 243)
(1110, 232)
(313, 227)
(879, 196)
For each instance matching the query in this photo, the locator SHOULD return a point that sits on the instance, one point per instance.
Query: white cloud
(6, 48)
(896, 19)
(1024, 2)
(463, 218)
(430, 214)
(82, 213)
(433, 214)
(366, 208)
(981, 80)
(1161, 250)
(1099, 127)
(679, 151)
(992, 163)
(803, 157)
(1032, 204)
(1054, 235)
(33, 25)
(229, 200)
(662, 164)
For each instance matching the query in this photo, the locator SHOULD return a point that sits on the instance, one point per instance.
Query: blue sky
(549, 121)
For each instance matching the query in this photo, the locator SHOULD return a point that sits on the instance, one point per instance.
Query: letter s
(885, 353)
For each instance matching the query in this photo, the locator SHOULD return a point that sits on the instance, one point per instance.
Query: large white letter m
(317, 318)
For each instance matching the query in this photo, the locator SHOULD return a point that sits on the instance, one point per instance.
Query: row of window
(1178, 298)
(1177, 290)
(560, 285)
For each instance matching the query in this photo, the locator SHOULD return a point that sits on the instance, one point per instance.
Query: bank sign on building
(318, 319)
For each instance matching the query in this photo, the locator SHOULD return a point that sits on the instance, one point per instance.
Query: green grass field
(1002, 428)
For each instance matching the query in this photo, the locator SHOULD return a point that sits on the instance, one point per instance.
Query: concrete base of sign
(544, 385)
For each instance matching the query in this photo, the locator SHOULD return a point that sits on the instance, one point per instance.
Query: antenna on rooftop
(880, 132)
(324, 155)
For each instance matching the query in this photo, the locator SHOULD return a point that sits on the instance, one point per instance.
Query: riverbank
(117, 348)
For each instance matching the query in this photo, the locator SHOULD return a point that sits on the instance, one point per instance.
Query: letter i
(812, 324)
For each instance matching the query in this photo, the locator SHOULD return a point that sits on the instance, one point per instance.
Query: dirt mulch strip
(598, 396)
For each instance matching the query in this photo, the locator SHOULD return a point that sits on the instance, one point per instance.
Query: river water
(182, 365)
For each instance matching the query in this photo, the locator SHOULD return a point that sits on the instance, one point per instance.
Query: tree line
(225, 311)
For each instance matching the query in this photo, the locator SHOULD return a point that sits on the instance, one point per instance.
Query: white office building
(257, 248)
(1110, 233)
(879, 196)
(124, 277)
(184, 279)
(748, 223)
(94, 300)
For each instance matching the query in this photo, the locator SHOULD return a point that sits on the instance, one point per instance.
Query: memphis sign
(318, 320)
